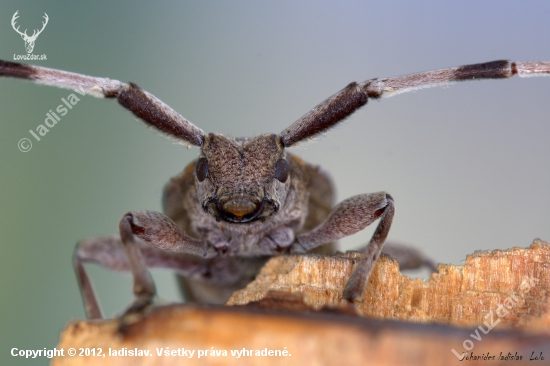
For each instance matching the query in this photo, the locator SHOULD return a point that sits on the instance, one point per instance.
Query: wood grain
(495, 308)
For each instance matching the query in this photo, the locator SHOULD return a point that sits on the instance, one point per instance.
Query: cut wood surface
(494, 308)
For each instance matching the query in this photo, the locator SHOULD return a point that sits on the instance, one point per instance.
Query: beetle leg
(165, 246)
(347, 218)
(408, 257)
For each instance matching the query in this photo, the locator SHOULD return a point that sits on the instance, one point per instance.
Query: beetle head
(244, 179)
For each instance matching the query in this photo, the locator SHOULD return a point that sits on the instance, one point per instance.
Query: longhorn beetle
(245, 199)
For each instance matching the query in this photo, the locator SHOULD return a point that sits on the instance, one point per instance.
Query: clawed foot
(135, 313)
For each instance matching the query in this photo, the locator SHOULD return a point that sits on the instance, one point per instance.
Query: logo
(29, 40)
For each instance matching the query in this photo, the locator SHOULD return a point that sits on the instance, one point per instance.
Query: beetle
(246, 199)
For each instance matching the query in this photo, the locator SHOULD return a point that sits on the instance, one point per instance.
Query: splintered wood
(511, 287)
(496, 307)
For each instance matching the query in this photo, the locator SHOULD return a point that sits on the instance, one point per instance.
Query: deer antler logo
(29, 40)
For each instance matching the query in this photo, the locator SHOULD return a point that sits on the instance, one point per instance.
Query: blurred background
(468, 165)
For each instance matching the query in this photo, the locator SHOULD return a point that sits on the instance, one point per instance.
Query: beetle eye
(281, 170)
(202, 169)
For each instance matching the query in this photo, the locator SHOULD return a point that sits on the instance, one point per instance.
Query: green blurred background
(468, 165)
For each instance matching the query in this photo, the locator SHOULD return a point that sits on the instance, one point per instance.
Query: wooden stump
(496, 307)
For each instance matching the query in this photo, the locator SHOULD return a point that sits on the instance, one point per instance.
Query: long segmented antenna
(355, 95)
(143, 104)
(321, 118)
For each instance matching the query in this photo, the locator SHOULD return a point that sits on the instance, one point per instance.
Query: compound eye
(202, 169)
(281, 170)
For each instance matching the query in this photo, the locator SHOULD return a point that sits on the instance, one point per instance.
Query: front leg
(162, 245)
(161, 232)
(350, 217)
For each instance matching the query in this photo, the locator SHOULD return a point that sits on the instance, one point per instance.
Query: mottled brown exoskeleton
(246, 199)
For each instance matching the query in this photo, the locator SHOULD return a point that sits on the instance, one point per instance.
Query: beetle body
(291, 207)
